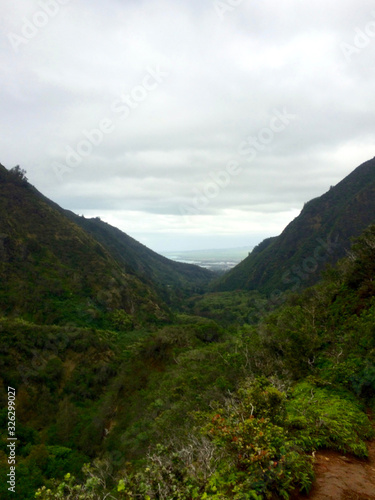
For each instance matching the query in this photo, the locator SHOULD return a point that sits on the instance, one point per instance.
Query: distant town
(218, 260)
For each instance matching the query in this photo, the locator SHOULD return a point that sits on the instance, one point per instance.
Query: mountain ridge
(296, 257)
(148, 265)
(35, 221)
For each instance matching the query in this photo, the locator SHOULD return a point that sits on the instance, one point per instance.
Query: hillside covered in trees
(320, 235)
(132, 381)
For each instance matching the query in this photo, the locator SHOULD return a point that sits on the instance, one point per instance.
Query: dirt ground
(341, 477)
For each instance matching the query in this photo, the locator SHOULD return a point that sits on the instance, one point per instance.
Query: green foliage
(54, 272)
(18, 175)
(292, 332)
(320, 235)
(227, 308)
(173, 281)
(228, 401)
(241, 452)
(122, 320)
(324, 418)
(52, 373)
(169, 474)
(42, 462)
(91, 489)
(259, 456)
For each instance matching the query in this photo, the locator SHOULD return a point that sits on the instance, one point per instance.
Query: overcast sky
(188, 124)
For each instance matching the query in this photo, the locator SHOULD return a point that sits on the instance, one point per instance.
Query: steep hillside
(171, 279)
(194, 411)
(183, 410)
(52, 271)
(319, 235)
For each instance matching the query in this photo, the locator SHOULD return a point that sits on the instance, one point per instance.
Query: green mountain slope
(193, 414)
(319, 235)
(184, 410)
(171, 279)
(52, 271)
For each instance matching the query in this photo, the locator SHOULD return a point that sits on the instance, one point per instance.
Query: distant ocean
(213, 259)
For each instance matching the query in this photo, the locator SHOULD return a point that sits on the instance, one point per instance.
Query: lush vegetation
(173, 281)
(195, 410)
(229, 308)
(222, 395)
(53, 272)
(319, 235)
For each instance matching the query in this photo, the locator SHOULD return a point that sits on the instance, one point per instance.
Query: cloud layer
(187, 124)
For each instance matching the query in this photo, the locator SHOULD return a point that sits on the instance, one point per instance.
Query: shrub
(324, 418)
(259, 455)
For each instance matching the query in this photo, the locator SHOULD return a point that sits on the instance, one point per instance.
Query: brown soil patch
(343, 477)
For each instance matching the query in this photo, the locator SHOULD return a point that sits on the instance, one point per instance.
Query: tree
(19, 174)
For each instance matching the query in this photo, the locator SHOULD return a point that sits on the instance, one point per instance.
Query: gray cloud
(219, 80)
